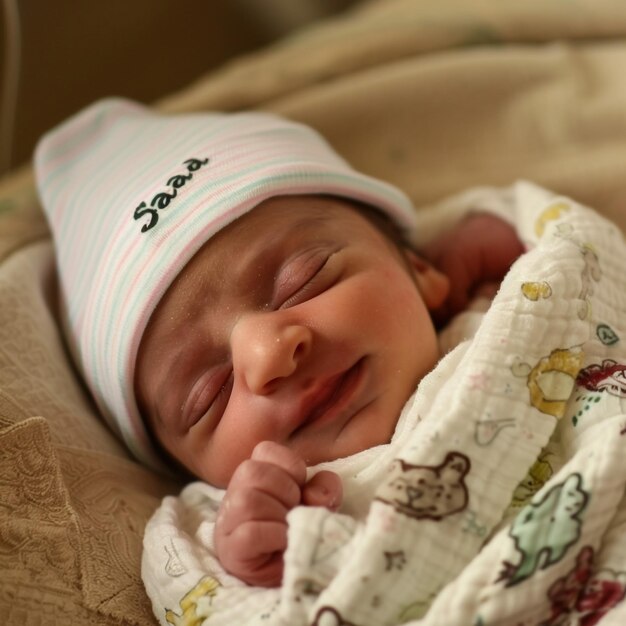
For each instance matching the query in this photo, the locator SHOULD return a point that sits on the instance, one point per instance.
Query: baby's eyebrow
(297, 228)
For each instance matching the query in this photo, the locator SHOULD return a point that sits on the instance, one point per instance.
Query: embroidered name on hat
(162, 200)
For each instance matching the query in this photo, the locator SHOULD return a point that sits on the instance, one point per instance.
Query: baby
(244, 305)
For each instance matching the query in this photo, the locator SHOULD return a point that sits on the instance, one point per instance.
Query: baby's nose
(267, 349)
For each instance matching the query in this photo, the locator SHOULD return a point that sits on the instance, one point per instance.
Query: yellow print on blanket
(538, 475)
(551, 381)
(416, 610)
(536, 290)
(195, 604)
(552, 213)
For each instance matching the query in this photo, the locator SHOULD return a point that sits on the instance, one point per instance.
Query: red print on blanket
(609, 377)
(580, 592)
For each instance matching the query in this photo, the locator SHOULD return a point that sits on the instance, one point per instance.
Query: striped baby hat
(131, 194)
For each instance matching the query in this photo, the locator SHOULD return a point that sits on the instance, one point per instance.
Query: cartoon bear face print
(427, 492)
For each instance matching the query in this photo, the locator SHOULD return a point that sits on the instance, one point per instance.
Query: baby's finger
(248, 505)
(258, 539)
(270, 574)
(268, 478)
(277, 454)
(263, 544)
(324, 489)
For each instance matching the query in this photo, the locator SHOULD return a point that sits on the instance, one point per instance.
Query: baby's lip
(330, 397)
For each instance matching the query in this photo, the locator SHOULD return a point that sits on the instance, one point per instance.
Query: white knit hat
(131, 195)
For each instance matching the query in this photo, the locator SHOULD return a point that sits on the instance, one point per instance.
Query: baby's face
(300, 323)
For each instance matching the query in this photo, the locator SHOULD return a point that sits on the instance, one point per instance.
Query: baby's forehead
(292, 212)
(278, 219)
(255, 240)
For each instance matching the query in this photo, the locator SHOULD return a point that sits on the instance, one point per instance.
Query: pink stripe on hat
(131, 195)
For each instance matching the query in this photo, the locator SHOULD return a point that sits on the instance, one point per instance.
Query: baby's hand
(479, 250)
(251, 527)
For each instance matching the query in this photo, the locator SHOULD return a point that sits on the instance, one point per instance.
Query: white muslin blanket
(500, 499)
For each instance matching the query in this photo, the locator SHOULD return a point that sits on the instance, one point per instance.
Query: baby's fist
(251, 527)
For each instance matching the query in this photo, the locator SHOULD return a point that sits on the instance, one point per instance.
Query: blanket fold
(381, 32)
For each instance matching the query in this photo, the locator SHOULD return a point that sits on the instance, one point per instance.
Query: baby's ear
(432, 284)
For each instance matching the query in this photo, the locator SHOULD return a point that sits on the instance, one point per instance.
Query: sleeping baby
(250, 311)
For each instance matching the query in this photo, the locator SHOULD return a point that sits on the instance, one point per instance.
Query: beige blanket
(434, 96)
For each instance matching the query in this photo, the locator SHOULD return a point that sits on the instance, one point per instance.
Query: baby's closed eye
(304, 277)
(209, 394)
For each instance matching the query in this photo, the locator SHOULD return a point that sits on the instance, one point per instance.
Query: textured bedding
(499, 499)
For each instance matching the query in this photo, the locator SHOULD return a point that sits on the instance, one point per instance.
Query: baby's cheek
(404, 305)
(384, 304)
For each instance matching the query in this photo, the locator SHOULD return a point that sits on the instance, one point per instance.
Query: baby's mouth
(332, 397)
